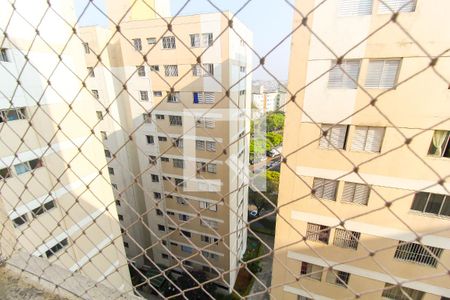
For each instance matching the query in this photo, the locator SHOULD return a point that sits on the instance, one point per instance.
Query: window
(418, 253)
(140, 71)
(209, 69)
(204, 204)
(196, 70)
(173, 97)
(159, 212)
(111, 171)
(242, 92)
(183, 217)
(243, 69)
(95, 94)
(143, 95)
(159, 117)
(181, 200)
(12, 114)
(20, 220)
(178, 163)
(120, 217)
(164, 256)
(186, 249)
(155, 178)
(171, 70)
(401, 293)
(179, 143)
(356, 193)
(346, 239)
(107, 153)
(87, 50)
(209, 223)
(156, 195)
(368, 139)
(195, 40)
(209, 97)
(338, 277)
(200, 145)
(125, 244)
(208, 239)
(5, 173)
(164, 159)
(162, 139)
(435, 204)
(161, 227)
(175, 121)
(53, 250)
(147, 118)
(28, 166)
(211, 168)
(311, 271)
(150, 139)
(179, 182)
(91, 71)
(354, 8)
(325, 189)
(169, 42)
(210, 146)
(334, 138)
(210, 255)
(440, 144)
(114, 186)
(316, 232)
(171, 213)
(396, 6)
(118, 203)
(104, 135)
(4, 55)
(338, 78)
(151, 40)
(209, 123)
(203, 97)
(99, 115)
(137, 43)
(207, 39)
(157, 93)
(382, 73)
(154, 68)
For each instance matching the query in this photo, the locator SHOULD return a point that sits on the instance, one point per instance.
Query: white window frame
(168, 42)
(346, 239)
(336, 137)
(402, 6)
(171, 70)
(137, 44)
(338, 79)
(325, 188)
(380, 73)
(356, 193)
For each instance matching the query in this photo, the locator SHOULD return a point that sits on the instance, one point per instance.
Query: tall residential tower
(366, 191)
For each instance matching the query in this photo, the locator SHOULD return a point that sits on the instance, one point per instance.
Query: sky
(269, 20)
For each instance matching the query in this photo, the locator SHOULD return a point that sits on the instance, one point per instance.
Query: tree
(258, 198)
(275, 121)
(274, 139)
(185, 281)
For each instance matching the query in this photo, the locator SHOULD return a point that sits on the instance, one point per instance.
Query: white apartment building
(55, 187)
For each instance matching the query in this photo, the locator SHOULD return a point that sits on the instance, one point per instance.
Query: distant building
(266, 99)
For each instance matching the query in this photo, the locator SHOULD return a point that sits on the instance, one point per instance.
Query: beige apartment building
(55, 189)
(170, 136)
(366, 222)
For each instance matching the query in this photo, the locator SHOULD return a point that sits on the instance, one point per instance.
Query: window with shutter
(171, 70)
(209, 97)
(354, 8)
(356, 193)
(195, 40)
(345, 75)
(335, 137)
(325, 189)
(210, 146)
(200, 145)
(382, 73)
(196, 70)
(169, 42)
(368, 139)
(391, 6)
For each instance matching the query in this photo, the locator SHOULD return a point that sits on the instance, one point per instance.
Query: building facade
(180, 118)
(55, 189)
(367, 193)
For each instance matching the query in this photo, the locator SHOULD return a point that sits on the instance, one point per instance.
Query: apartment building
(369, 181)
(185, 105)
(55, 189)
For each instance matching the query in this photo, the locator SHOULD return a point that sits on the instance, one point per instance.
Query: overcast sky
(270, 21)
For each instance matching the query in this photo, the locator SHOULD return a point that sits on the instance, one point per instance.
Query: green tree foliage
(259, 199)
(274, 139)
(275, 121)
(186, 282)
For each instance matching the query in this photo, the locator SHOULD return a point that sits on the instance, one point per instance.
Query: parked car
(274, 152)
(253, 213)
